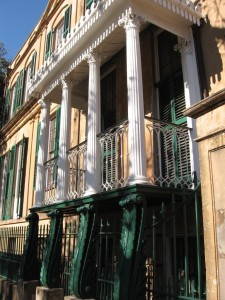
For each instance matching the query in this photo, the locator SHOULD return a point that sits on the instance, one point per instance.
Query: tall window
(108, 100)
(13, 175)
(172, 104)
(58, 35)
(48, 45)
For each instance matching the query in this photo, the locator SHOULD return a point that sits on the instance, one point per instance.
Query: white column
(192, 92)
(136, 133)
(64, 141)
(42, 152)
(93, 174)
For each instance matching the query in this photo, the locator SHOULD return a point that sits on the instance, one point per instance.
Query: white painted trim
(96, 25)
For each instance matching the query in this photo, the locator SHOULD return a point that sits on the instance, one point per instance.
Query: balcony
(167, 152)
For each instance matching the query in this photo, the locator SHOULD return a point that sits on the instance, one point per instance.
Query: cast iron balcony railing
(168, 154)
(114, 157)
(77, 160)
(51, 169)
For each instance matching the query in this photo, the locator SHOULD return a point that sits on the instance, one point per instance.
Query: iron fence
(107, 256)
(69, 240)
(175, 267)
(12, 241)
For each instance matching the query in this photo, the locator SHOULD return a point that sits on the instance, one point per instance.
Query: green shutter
(18, 96)
(88, 3)
(7, 209)
(67, 19)
(48, 47)
(56, 148)
(33, 65)
(21, 175)
(21, 88)
(6, 107)
(36, 152)
(15, 96)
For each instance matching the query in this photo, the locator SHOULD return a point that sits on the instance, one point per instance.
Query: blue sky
(17, 19)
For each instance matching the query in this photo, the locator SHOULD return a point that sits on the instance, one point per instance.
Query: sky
(17, 20)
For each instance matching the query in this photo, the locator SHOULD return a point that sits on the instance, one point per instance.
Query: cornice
(87, 35)
(206, 105)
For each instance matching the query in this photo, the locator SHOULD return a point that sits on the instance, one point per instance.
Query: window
(29, 74)
(88, 3)
(63, 28)
(108, 100)
(53, 144)
(5, 108)
(58, 34)
(53, 148)
(108, 118)
(48, 46)
(176, 161)
(13, 175)
(67, 19)
(18, 92)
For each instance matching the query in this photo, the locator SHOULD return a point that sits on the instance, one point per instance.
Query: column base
(43, 293)
(138, 179)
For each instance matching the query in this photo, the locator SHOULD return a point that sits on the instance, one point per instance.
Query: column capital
(131, 21)
(66, 83)
(92, 57)
(44, 103)
(184, 45)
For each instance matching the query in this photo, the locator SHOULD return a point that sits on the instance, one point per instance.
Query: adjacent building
(100, 184)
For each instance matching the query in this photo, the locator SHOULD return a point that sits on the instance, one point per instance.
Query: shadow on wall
(212, 35)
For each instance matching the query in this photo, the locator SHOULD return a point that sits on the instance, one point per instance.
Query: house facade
(100, 179)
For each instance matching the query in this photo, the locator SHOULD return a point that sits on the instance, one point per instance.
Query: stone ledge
(206, 105)
(43, 293)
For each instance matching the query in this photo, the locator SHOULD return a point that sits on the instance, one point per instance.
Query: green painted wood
(8, 193)
(50, 270)
(30, 267)
(56, 148)
(33, 64)
(22, 173)
(48, 46)
(36, 152)
(130, 282)
(67, 21)
(88, 3)
(82, 278)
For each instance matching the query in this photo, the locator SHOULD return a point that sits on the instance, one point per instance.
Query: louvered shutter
(20, 90)
(21, 175)
(6, 107)
(56, 148)
(33, 65)
(48, 47)
(109, 162)
(36, 152)
(67, 20)
(9, 183)
(4, 190)
(15, 96)
(88, 3)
